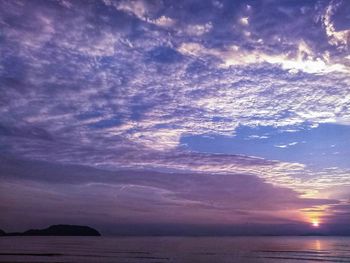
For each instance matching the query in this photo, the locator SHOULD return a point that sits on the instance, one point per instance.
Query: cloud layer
(118, 84)
(65, 192)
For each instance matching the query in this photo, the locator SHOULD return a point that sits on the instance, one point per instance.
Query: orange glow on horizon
(314, 216)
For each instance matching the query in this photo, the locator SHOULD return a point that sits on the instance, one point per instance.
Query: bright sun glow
(315, 223)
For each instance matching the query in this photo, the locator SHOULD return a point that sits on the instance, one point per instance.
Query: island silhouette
(57, 230)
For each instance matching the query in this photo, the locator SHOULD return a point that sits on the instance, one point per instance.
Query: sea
(174, 249)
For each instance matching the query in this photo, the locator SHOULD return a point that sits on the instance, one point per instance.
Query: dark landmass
(58, 230)
(2, 233)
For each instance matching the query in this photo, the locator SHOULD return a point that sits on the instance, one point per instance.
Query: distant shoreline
(161, 236)
(56, 230)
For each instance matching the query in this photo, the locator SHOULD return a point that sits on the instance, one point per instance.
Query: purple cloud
(50, 191)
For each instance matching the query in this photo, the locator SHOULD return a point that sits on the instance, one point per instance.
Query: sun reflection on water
(318, 245)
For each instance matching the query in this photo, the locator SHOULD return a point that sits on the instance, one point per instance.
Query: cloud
(244, 21)
(286, 145)
(80, 60)
(198, 30)
(235, 56)
(116, 153)
(253, 137)
(281, 146)
(142, 10)
(117, 84)
(136, 8)
(341, 38)
(164, 21)
(102, 197)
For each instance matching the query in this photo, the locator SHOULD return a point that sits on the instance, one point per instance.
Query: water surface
(174, 249)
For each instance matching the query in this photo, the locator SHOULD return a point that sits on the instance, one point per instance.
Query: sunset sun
(315, 223)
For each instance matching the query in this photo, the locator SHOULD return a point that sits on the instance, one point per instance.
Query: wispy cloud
(286, 145)
(141, 196)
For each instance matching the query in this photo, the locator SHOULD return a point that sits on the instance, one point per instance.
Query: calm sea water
(174, 249)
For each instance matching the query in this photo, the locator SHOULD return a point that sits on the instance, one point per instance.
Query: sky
(227, 117)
